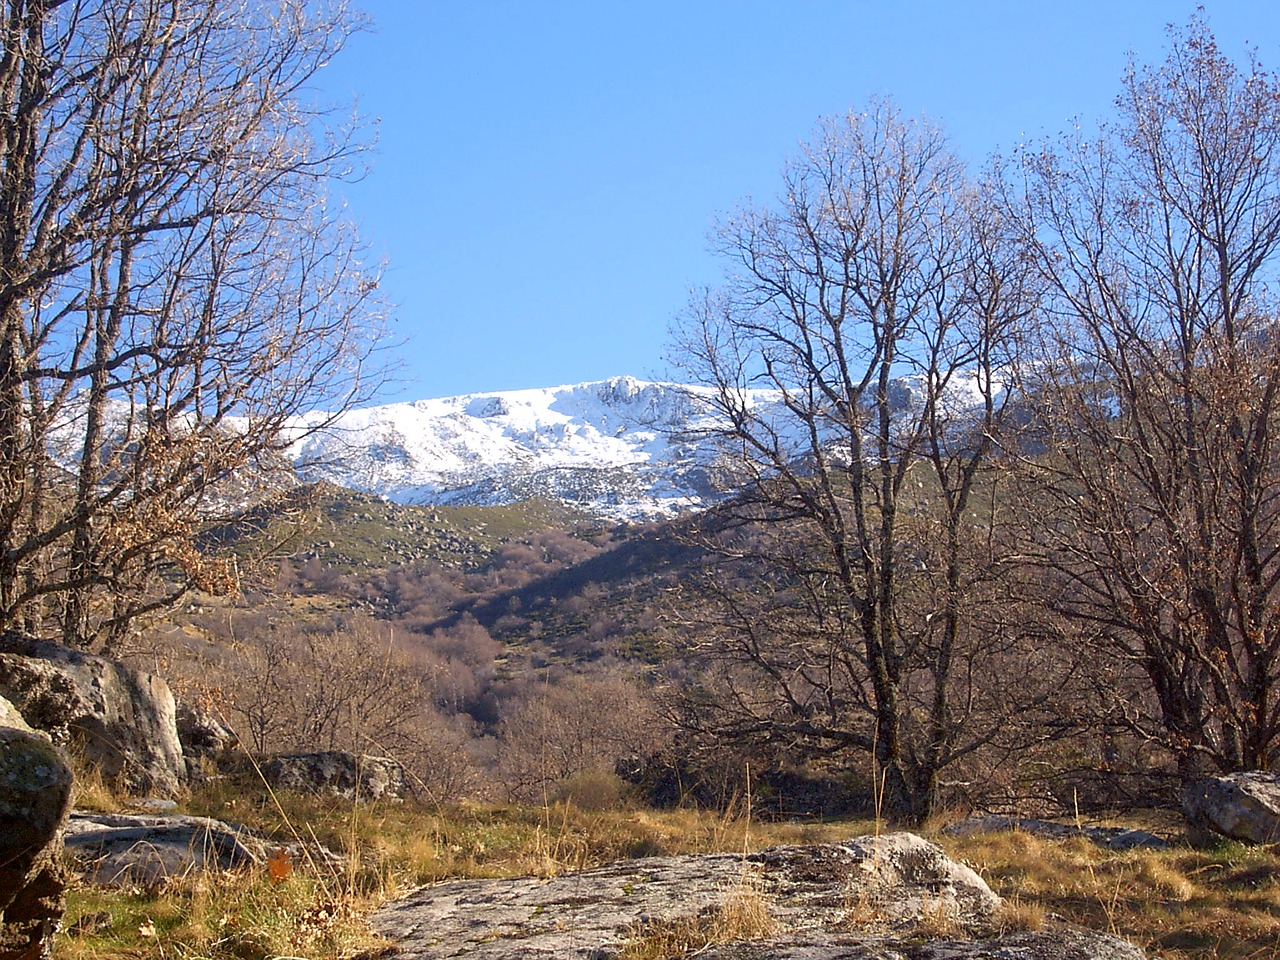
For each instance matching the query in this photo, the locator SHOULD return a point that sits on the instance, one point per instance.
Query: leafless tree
(175, 288)
(1159, 237)
(865, 606)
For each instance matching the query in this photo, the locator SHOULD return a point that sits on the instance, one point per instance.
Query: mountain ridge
(616, 448)
(621, 449)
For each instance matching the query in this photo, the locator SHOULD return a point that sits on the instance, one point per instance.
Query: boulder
(864, 898)
(120, 720)
(205, 739)
(116, 850)
(202, 733)
(336, 773)
(1242, 806)
(35, 796)
(1112, 838)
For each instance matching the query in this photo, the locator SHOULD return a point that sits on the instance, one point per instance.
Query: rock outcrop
(863, 899)
(336, 773)
(203, 737)
(1112, 838)
(1241, 806)
(116, 850)
(35, 796)
(121, 720)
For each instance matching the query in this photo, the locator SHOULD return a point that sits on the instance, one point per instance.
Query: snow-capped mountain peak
(621, 448)
(603, 446)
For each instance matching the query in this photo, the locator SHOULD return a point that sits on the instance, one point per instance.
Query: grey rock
(1242, 806)
(35, 796)
(898, 878)
(10, 717)
(154, 804)
(894, 882)
(116, 850)
(202, 733)
(1065, 944)
(1112, 838)
(336, 773)
(121, 720)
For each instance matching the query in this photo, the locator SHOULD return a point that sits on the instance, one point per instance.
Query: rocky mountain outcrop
(622, 448)
(864, 898)
(35, 796)
(1242, 806)
(121, 720)
(607, 448)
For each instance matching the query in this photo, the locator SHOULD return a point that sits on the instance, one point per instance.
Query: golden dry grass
(1180, 904)
(743, 914)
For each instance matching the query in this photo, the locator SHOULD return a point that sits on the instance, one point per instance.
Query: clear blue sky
(547, 171)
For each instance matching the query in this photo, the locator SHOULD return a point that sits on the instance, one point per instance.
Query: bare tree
(174, 289)
(1160, 240)
(878, 305)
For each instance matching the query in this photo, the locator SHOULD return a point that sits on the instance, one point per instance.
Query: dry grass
(92, 792)
(243, 914)
(742, 915)
(387, 849)
(1015, 915)
(1179, 904)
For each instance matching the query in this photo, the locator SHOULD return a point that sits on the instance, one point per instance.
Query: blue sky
(547, 171)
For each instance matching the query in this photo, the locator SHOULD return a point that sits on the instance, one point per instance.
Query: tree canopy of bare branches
(175, 286)
(867, 610)
(1159, 240)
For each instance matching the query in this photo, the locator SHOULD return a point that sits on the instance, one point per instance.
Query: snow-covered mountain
(607, 447)
(619, 448)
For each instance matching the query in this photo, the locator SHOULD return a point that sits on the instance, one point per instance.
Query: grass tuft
(742, 915)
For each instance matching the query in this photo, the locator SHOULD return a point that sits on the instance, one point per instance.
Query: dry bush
(555, 731)
(345, 683)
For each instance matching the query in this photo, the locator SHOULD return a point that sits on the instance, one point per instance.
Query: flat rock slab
(888, 886)
(115, 849)
(1041, 945)
(1112, 838)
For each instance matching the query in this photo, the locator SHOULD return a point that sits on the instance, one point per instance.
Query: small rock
(155, 804)
(118, 850)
